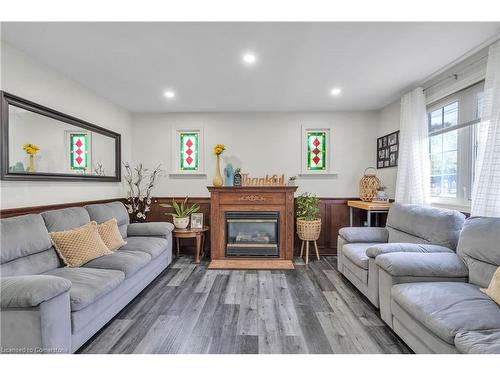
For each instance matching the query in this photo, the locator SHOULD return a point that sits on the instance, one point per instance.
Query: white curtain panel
(486, 190)
(413, 178)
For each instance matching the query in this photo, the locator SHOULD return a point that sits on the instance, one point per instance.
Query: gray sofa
(46, 307)
(447, 317)
(409, 229)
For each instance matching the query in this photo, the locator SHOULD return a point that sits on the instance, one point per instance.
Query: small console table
(370, 208)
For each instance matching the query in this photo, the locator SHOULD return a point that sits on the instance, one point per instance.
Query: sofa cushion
(22, 236)
(478, 342)
(419, 224)
(80, 245)
(356, 253)
(26, 248)
(104, 212)
(65, 219)
(111, 235)
(127, 261)
(154, 246)
(88, 284)
(446, 308)
(479, 247)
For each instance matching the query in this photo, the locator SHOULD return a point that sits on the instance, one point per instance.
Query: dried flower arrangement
(139, 194)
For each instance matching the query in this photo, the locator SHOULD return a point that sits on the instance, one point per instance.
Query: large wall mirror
(39, 143)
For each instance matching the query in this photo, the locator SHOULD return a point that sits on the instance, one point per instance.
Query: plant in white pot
(308, 222)
(182, 212)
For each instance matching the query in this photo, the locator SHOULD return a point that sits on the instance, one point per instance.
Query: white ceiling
(132, 64)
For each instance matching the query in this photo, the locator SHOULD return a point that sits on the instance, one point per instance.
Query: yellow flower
(219, 149)
(30, 148)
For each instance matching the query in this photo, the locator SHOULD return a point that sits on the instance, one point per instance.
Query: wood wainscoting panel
(11, 212)
(334, 215)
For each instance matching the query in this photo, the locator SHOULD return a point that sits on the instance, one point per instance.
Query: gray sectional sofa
(46, 307)
(428, 293)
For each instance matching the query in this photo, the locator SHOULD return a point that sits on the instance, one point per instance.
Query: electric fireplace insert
(252, 234)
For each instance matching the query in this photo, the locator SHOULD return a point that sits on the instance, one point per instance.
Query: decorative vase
(228, 175)
(217, 181)
(31, 167)
(181, 222)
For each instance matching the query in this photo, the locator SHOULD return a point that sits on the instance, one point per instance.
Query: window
(188, 151)
(79, 146)
(316, 150)
(452, 144)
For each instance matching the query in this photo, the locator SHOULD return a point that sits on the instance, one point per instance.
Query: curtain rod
(454, 75)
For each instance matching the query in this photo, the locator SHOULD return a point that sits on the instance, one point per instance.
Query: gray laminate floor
(189, 309)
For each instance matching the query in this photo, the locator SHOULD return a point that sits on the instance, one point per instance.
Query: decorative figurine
(228, 175)
(237, 177)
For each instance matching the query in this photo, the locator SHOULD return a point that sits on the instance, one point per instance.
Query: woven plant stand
(308, 230)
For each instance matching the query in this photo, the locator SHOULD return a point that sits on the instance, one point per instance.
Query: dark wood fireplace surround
(252, 198)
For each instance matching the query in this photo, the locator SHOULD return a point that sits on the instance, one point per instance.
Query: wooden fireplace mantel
(251, 198)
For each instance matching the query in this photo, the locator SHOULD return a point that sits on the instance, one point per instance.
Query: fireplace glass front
(252, 234)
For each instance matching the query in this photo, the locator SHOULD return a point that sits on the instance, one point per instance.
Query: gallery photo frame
(388, 150)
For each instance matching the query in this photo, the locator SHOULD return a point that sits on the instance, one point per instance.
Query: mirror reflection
(40, 144)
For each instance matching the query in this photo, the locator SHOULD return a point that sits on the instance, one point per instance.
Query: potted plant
(182, 212)
(308, 221)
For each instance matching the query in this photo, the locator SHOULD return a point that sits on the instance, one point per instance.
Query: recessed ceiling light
(336, 91)
(169, 94)
(249, 58)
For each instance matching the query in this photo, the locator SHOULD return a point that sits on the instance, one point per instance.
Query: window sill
(452, 206)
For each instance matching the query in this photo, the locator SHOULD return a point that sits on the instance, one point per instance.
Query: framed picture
(197, 221)
(388, 150)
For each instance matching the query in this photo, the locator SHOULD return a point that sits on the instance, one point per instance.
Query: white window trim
(328, 171)
(175, 167)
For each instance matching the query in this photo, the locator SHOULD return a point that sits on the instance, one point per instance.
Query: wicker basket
(308, 230)
(368, 185)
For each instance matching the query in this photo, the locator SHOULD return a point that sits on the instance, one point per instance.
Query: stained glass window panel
(189, 158)
(79, 148)
(316, 151)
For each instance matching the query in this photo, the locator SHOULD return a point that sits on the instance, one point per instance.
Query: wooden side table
(370, 208)
(197, 234)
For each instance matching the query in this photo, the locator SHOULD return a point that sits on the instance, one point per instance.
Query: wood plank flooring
(190, 309)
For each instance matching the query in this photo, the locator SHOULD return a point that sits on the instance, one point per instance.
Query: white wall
(388, 122)
(260, 143)
(25, 77)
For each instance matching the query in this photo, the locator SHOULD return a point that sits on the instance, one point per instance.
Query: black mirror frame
(9, 99)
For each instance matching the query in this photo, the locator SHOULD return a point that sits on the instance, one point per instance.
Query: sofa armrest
(422, 264)
(36, 314)
(30, 291)
(156, 229)
(362, 234)
(397, 247)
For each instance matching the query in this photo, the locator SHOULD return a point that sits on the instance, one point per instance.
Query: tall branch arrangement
(140, 183)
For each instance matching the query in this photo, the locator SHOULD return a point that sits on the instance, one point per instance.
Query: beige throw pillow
(79, 246)
(493, 290)
(111, 235)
